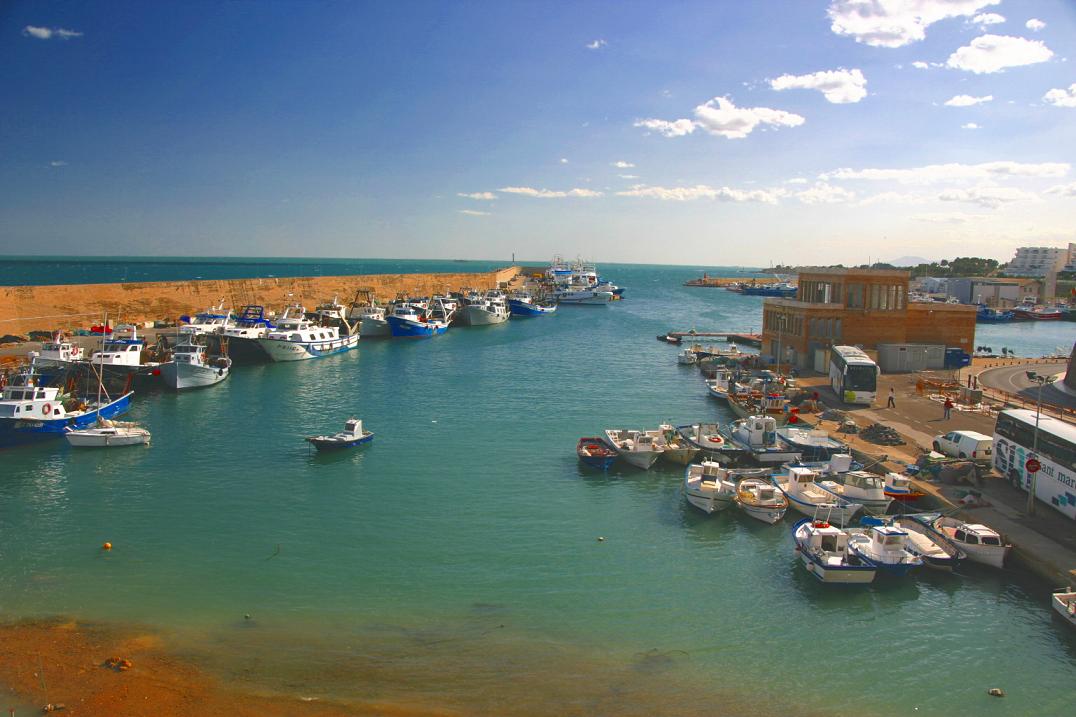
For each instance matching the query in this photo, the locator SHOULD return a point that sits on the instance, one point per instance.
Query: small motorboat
(708, 487)
(935, 552)
(668, 338)
(757, 435)
(1064, 603)
(808, 498)
(899, 487)
(635, 447)
(352, 435)
(981, 543)
(758, 498)
(884, 547)
(674, 447)
(687, 357)
(106, 433)
(595, 452)
(823, 549)
(861, 487)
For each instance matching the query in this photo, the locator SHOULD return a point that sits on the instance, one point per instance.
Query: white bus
(853, 375)
(1014, 437)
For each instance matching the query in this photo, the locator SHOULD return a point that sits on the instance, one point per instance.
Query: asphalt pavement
(1014, 379)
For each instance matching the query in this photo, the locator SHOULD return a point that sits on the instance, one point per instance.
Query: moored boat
(411, 320)
(635, 447)
(707, 437)
(352, 435)
(299, 338)
(884, 547)
(1063, 600)
(595, 452)
(242, 336)
(981, 543)
(192, 366)
(900, 487)
(861, 487)
(823, 549)
(105, 433)
(808, 498)
(708, 487)
(935, 552)
(60, 352)
(674, 447)
(758, 498)
(523, 305)
(213, 320)
(757, 436)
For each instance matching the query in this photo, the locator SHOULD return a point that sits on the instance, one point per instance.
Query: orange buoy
(106, 546)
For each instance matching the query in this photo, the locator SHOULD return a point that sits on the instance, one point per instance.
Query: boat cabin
(353, 427)
(119, 351)
(975, 534)
(22, 398)
(887, 538)
(826, 539)
(864, 481)
(58, 350)
(757, 431)
(303, 331)
(800, 479)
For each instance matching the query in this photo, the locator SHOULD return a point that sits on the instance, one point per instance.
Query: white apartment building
(1040, 260)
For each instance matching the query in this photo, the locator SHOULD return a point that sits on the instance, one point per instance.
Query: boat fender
(821, 524)
(46, 409)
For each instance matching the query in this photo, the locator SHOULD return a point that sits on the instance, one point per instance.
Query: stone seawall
(26, 308)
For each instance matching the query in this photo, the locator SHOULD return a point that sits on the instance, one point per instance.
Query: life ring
(46, 409)
(821, 524)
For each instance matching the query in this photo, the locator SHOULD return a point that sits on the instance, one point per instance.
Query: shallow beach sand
(63, 663)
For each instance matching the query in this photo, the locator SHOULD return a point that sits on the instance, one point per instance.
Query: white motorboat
(707, 437)
(121, 353)
(823, 549)
(708, 487)
(674, 447)
(935, 552)
(884, 547)
(213, 320)
(757, 435)
(298, 338)
(687, 357)
(106, 433)
(635, 447)
(59, 352)
(192, 367)
(861, 487)
(583, 297)
(1063, 601)
(808, 498)
(487, 310)
(353, 435)
(982, 544)
(758, 498)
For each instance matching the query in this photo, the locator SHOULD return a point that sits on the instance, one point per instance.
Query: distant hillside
(909, 261)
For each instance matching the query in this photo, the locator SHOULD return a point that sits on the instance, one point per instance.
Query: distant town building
(1041, 260)
(993, 292)
(863, 307)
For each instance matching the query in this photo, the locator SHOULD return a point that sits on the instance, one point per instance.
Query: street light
(1040, 381)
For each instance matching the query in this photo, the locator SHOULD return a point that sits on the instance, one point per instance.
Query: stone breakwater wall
(70, 306)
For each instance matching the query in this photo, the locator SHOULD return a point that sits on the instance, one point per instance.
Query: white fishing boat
(588, 297)
(298, 338)
(758, 498)
(823, 549)
(487, 310)
(861, 487)
(192, 367)
(982, 544)
(708, 487)
(707, 437)
(121, 353)
(58, 353)
(687, 357)
(757, 436)
(674, 447)
(1063, 601)
(213, 320)
(808, 498)
(105, 433)
(935, 552)
(884, 547)
(635, 447)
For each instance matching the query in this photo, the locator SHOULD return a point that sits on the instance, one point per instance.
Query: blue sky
(698, 133)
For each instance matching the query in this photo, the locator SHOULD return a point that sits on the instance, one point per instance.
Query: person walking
(948, 407)
(892, 403)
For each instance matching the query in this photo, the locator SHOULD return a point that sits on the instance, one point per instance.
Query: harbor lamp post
(1040, 381)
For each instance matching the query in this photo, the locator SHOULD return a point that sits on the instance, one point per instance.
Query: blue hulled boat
(409, 320)
(31, 412)
(523, 305)
(986, 315)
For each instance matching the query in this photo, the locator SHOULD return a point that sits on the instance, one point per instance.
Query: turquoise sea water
(455, 560)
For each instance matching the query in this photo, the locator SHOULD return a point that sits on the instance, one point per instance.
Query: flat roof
(866, 273)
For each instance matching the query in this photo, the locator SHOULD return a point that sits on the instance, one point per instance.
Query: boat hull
(183, 376)
(587, 298)
(709, 503)
(767, 514)
(374, 328)
(840, 514)
(639, 459)
(241, 349)
(19, 432)
(404, 329)
(477, 316)
(282, 350)
(138, 437)
(1063, 603)
(330, 445)
(523, 309)
(680, 456)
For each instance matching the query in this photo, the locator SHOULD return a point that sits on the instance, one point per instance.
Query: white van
(966, 444)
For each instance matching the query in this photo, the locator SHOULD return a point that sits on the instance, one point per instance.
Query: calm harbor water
(455, 560)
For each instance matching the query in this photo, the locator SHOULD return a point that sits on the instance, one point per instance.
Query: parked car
(966, 444)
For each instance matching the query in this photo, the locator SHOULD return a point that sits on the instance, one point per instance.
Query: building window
(855, 296)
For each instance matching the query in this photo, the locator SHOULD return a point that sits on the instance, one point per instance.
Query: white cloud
(920, 65)
(1062, 97)
(628, 176)
(796, 180)
(838, 86)
(473, 213)
(1063, 190)
(486, 196)
(823, 193)
(563, 160)
(47, 33)
(550, 194)
(597, 44)
(967, 100)
(57, 163)
(988, 18)
(989, 197)
(970, 125)
(993, 53)
(946, 217)
(953, 172)
(621, 164)
(1034, 24)
(702, 191)
(895, 23)
(676, 128)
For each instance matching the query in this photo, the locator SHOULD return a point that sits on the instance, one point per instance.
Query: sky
(711, 133)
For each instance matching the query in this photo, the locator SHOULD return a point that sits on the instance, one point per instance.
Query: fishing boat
(758, 498)
(352, 435)
(1036, 313)
(861, 487)
(213, 320)
(523, 305)
(299, 338)
(687, 357)
(708, 487)
(884, 547)
(670, 339)
(808, 498)
(122, 353)
(595, 452)
(707, 437)
(936, 552)
(986, 315)
(368, 314)
(635, 447)
(721, 384)
(746, 404)
(1063, 600)
(583, 297)
(981, 543)
(823, 549)
(32, 412)
(814, 444)
(757, 436)
(242, 336)
(674, 447)
(488, 310)
(412, 320)
(900, 487)
(192, 366)
(60, 352)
